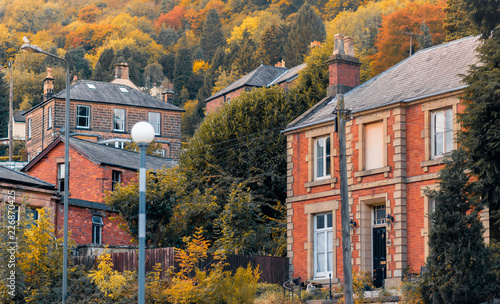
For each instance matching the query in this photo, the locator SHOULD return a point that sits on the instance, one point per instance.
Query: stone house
(402, 123)
(94, 170)
(102, 112)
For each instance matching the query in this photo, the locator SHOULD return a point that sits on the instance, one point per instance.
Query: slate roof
(290, 75)
(260, 77)
(432, 71)
(19, 116)
(105, 155)
(111, 93)
(16, 177)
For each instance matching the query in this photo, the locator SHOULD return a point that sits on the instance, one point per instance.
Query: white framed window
(323, 245)
(83, 117)
(322, 157)
(29, 128)
(119, 120)
(374, 145)
(379, 216)
(441, 132)
(60, 177)
(97, 229)
(49, 123)
(154, 119)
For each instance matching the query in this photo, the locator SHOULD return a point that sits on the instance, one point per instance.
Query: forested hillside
(203, 45)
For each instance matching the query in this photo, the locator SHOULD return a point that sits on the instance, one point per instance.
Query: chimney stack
(48, 85)
(122, 71)
(343, 66)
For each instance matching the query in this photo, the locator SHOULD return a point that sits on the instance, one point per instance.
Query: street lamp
(142, 133)
(30, 48)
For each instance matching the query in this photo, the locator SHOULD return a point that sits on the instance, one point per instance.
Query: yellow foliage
(110, 281)
(200, 66)
(255, 25)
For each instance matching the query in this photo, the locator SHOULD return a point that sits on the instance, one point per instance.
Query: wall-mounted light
(389, 219)
(352, 224)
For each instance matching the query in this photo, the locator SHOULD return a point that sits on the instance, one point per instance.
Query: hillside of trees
(201, 46)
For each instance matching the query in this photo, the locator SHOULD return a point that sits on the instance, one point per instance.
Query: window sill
(384, 170)
(433, 162)
(82, 128)
(321, 182)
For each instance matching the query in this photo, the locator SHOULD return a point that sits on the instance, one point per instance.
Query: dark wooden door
(379, 256)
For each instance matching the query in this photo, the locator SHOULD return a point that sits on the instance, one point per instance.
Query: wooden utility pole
(342, 117)
(11, 112)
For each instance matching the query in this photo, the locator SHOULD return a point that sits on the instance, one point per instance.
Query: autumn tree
(89, 13)
(211, 35)
(171, 19)
(393, 39)
(306, 27)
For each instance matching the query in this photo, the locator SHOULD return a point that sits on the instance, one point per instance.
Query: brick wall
(101, 124)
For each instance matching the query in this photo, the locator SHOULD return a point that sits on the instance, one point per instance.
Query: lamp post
(30, 48)
(142, 133)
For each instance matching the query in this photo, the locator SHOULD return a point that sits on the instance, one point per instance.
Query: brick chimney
(343, 66)
(48, 85)
(121, 70)
(280, 64)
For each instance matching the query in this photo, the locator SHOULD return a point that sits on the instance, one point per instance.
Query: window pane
(320, 222)
(329, 241)
(438, 140)
(449, 131)
(119, 120)
(320, 242)
(61, 171)
(321, 263)
(319, 148)
(330, 261)
(329, 220)
(154, 120)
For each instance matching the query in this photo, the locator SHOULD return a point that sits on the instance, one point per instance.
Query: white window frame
(117, 120)
(29, 128)
(155, 121)
(97, 224)
(376, 220)
(78, 116)
(60, 176)
(323, 237)
(441, 130)
(49, 123)
(322, 157)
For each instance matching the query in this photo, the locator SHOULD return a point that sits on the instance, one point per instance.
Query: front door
(379, 256)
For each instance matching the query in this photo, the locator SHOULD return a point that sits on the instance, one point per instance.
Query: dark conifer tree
(425, 37)
(245, 60)
(306, 27)
(211, 35)
(4, 104)
(457, 23)
(104, 68)
(183, 71)
(270, 50)
(484, 14)
(78, 64)
(167, 61)
(459, 264)
(168, 37)
(480, 119)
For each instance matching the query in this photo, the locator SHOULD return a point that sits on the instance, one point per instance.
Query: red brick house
(263, 76)
(102, 112)
(94, 170)
(403, 121)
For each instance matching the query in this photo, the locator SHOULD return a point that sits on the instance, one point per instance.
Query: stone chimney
(75, 79)
(48, 85)
(280, 64)
(121, 71)
(343, 66)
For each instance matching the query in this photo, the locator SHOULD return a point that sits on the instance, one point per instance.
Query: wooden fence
(273, 269)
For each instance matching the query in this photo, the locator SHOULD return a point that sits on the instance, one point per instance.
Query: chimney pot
(349, 46)
(338, 45)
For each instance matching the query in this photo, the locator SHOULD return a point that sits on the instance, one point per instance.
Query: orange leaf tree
(393, 40)
(171, 19)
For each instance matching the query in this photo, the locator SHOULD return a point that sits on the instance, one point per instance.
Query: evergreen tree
(425, 37)
(458, 265)
(481, 134)
(211, 35)
(198, 54)
(78, 64)
(306, 27)
(4, 103)
(245, 61)
(168, 36)
(270, 50)
(183, 71)
(104, 68)
(457, 23)
(485, 14)
(167, 61)
(153, 74)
